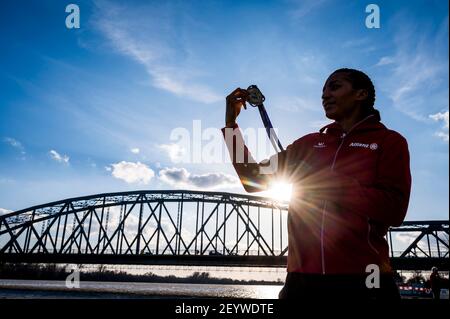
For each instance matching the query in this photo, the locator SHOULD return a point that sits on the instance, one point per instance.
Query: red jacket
(347, 190)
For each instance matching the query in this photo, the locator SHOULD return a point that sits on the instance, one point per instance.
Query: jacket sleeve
(255, 177)
(387, 199)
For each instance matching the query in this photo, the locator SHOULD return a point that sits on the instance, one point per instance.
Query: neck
(348, 123)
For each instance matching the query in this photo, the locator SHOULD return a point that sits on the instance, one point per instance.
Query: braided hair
(360, 80)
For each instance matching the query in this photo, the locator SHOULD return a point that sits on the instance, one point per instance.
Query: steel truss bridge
(186, 228)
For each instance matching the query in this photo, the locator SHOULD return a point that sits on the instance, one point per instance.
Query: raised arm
(255, 177)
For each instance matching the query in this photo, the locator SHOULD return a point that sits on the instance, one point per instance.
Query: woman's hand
(235, 101)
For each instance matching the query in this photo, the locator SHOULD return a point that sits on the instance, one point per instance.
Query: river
(91, 289)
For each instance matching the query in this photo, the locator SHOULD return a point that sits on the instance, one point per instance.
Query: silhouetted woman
(351, 182)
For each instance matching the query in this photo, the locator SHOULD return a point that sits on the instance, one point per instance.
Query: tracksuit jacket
(348, 189)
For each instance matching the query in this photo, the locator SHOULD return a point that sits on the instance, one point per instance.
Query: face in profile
(339, 99)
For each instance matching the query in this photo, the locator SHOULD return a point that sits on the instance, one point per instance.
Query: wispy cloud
(132, 173)
(305, 7)
(298, 104)
(181, 178)
(441, 117)
(135, 150)
(353, 43)
(133, 34)
(16, 144)
(385, 61)
(362, 45)
(418, 79)
(58, 157)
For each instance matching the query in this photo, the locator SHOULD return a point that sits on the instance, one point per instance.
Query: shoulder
(308, 137)
(394, 137)
(305, 140)
(393, 142)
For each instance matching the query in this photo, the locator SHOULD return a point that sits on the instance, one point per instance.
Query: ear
(361, 94)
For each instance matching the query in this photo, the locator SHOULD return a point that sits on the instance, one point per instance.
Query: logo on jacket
(372, 146)
(320, 145)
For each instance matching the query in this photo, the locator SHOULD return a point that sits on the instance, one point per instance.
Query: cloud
(135, 150)
(133, 34)
(305, 7)
(16, 144)
(4, 211)
(438, 117)
(174, 151)
(57, 157)
(386, 60)
(363, 45)
(405, 238)
(417, 78)
(354, 43)
(181, 178)
(132, 172)
(298, 104)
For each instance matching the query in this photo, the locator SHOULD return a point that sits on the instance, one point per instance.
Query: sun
(280, 191)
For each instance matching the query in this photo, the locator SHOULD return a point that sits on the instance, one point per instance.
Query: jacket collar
(366, 124)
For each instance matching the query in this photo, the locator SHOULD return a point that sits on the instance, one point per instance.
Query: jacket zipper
(322, 228)
(368, 237)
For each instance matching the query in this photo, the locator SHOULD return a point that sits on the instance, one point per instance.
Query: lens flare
(280, 191)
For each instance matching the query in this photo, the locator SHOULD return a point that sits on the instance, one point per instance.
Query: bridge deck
(399, 263)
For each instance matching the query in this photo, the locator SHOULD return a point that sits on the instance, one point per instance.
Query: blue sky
(95, 109)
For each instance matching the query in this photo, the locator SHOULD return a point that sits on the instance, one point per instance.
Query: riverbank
(51, 289)
(58, 272)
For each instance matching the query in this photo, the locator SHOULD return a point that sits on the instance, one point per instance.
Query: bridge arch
(151, 223)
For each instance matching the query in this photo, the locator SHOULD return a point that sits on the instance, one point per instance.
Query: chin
(330, 115)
